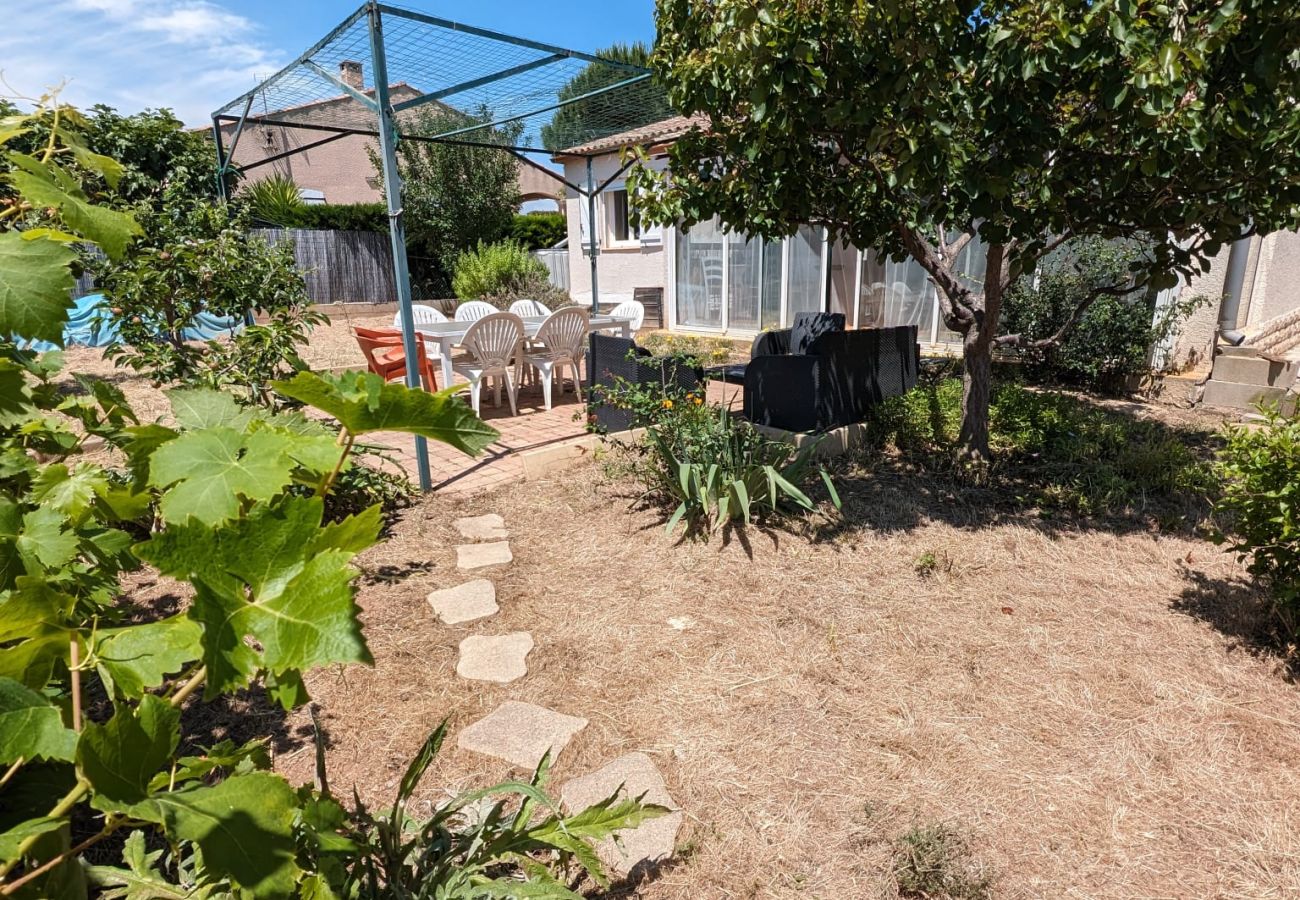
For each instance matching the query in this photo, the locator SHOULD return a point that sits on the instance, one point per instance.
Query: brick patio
(534, 428)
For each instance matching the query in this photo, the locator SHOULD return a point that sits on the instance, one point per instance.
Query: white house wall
(622, 270)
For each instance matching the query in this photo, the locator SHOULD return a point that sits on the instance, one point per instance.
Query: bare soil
(1090, 705)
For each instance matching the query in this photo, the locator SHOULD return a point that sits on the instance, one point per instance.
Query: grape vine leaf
(31, 727)
(43, 540)
(34, 287)
(141, 879)
(243, 826)
(69, 491)
(209, 471)
(120, 756)
(138, 657)
(275, 575)
(198, 408)
(48, 185)
(33, 619)
(12, 839)
(364, 403)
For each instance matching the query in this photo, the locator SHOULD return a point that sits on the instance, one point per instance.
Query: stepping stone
(479, 556)
(483, 528)
(639, 848)
(520, 733)
(465, 602)
(498, 658)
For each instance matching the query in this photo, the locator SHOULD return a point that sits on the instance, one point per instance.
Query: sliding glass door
(895, 293)
(807, 277)
(753, 283)
(699, 276)
(729, 281)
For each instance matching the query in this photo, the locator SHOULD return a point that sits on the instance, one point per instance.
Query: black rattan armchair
(613, 360)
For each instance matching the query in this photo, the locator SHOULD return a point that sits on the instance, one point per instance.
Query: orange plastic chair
(386, 357)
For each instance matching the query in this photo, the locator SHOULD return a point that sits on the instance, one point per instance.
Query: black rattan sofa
(833, 382)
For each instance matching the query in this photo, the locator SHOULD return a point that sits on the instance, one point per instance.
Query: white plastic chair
(561, 341)
(494, 344)
(424, 315)
(526, 308)
(630, 309)
(474, 310)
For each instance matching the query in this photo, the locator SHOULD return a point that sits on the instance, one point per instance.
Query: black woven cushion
(810, 326)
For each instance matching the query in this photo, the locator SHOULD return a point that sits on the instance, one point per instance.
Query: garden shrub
(700, 352)
(273, 201)
(495, 269)
(502, 273)
(1113, 338)
(539, 230)
(1069, 453)
(1260, 506)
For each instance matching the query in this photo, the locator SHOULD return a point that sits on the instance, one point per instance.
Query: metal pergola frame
(387, 131)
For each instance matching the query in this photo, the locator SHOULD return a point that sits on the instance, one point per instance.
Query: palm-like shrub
(274, 200)
(720, 470)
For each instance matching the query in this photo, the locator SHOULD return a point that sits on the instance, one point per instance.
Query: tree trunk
(977, 380)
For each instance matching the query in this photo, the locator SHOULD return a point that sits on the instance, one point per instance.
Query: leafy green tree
(616, 111)
(162, 160)
(455, 196)
(539, 230)
(203, 260)
(914, 129)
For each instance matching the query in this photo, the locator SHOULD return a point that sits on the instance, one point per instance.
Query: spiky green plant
(275, 200)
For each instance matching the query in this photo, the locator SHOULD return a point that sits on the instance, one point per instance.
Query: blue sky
(194, 55)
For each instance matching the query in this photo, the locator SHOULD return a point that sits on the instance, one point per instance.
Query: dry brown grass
(1057, 697)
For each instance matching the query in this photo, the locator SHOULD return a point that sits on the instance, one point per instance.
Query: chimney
(351, 74)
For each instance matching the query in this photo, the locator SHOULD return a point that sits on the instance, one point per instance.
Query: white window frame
(607, 208)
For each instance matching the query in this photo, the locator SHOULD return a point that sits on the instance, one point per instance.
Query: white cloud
(189, 55)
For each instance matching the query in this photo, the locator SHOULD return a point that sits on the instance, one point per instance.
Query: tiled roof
(664, 130)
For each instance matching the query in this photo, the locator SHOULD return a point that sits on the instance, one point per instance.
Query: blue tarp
(90, 326)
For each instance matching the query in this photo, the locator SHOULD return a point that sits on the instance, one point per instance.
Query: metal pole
(221, 159)
(591, 233)
(396, 227)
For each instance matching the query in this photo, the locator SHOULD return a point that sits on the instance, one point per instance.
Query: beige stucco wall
(1191, 350)
(341, 169)
(1277, 280)
(1271, 288)
(622, 269)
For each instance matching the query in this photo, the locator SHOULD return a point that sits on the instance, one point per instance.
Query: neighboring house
(339, 171)
(716, 282)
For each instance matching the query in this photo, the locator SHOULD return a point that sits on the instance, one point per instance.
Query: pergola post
(221, 158)
(396, 227)
(595, 245)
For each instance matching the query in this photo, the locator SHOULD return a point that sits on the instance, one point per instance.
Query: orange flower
(698, 401)
(668, 404)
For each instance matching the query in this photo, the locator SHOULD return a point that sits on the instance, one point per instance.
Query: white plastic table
(443, 337)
